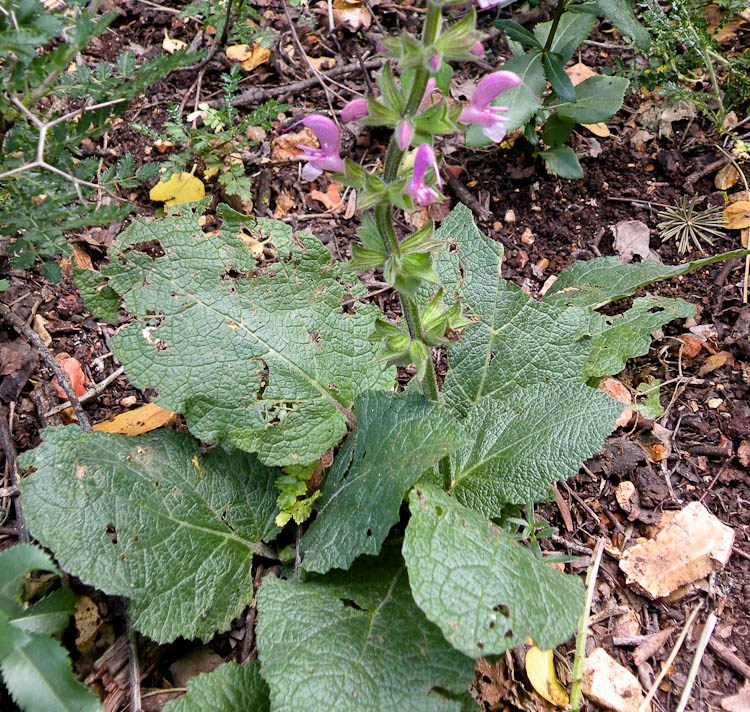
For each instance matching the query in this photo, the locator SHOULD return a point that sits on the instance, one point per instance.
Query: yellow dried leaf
(579, 73)
(180, 188)
(540, 668)
(737, 215)
(171, 45)
(138, 421)
(745, 237)
(600, 129)
(726, 177)
(248, 57)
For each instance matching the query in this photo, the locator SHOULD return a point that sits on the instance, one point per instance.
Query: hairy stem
(384, 215)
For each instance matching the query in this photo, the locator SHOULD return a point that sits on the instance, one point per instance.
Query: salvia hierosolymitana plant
(407, 564)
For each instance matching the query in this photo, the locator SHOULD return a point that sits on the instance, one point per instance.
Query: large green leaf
(397, 438)
(597, 99)
(355, 641)
(485, 591)
(40, 678)
(229, 688)
(155, 519)
(603, 280)
(271, 364)
(516, 447)
(516, 341)
(618, 338)
(522, 101)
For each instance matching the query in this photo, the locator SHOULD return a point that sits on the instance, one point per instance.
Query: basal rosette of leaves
(275, 364)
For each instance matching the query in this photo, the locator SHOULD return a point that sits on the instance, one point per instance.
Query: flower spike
(479, 110)
(325, 158)
(422, 193)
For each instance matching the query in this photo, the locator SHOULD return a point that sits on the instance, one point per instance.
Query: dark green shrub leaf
(229, 688)
(563, 162)
(270, 364)
(573, 29)
(155, 519)
(484, 590)
(597, 99)
(355, 641)
(397, 438)
(620, 14)
(557, 77)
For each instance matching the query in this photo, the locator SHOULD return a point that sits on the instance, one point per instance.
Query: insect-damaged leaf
(271, 363)
(154, 519)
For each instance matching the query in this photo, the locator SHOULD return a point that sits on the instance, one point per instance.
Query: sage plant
(411, 175)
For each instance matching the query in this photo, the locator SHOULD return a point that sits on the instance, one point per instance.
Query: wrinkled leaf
(396, 439)
(229, 688)
(516, 447)
(270, 364)
(101, 300)
(355, 641)
(484, 590)
(154, 519)
(516, 341)
(618, 338)
(620, 14)
(604, 280)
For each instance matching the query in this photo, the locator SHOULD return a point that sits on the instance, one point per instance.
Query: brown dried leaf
(726, 177)
(579, 73)
(284, 147)
(352, 15)
(737, 215)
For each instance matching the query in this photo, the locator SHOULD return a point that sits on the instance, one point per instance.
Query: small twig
(727, 656)
(6, 440)
(708, 630)
(133, 667)
(464, 195)
(583, 627)
(27, 332)
(257, 95)
(89, 394)
(619, 199)
(668, 663)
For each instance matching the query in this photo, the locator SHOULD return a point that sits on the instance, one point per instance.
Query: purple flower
(354, 110)
(325, 158)
(404, 133)
(479, 110)
(477, 50)
(431, 86)
(416, 187)
(484, 4)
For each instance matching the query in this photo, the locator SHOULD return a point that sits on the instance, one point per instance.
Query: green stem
(562, 6)
(384, 214)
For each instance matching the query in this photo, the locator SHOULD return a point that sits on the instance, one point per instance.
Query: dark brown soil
(544, 224)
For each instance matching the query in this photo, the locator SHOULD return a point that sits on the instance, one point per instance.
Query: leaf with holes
(355, 641)
(155, 519)
(618, 338)
(270, 364)
(397, 438)
(484, 590)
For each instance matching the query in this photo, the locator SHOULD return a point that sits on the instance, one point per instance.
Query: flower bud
(354, 110)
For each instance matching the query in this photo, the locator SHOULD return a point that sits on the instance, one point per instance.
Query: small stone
(128, 401)
(510, 216)
(714, 403)
(610, 685)
(527, 237)
(693, 545)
